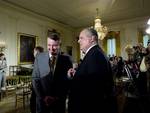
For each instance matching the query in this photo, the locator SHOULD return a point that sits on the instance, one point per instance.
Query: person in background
(147, 63)
(92, 86)
(120, 66)
(147, 58)
(3, 66)
(131, 62)
(37, 50)
(49, 77)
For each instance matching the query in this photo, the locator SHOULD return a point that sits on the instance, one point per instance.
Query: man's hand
(71, 72)
(49, 100)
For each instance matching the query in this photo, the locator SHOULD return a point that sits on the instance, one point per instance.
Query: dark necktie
(52, 63)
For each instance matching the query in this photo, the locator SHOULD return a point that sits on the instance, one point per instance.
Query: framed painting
(26, 45)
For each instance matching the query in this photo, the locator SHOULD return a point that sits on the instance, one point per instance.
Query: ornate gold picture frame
(26, 44)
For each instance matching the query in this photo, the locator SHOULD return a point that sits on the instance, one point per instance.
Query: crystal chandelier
(101, 30)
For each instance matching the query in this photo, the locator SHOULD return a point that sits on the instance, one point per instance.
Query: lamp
(2, 46)
(148, 29)
(148, 22)
(101, 30)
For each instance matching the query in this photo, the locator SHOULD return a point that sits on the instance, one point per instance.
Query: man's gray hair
(92, 32)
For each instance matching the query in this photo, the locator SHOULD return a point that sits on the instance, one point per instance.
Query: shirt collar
(90, 48)
(50, 55)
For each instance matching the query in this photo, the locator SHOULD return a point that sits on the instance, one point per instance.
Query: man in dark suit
(50, 80)
(91, 89)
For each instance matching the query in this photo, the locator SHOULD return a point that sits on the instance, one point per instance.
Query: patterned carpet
(126, 105)
(7, 105)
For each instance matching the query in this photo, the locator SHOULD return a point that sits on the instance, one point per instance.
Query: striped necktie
(52, 63)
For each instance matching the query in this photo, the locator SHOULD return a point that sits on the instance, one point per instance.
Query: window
(111, 46)
(112, 43)
(145, 40)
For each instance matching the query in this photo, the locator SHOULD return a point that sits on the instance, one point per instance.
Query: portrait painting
(26, 45)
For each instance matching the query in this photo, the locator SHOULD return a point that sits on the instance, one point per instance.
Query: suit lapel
(89, 53)
(82, 65)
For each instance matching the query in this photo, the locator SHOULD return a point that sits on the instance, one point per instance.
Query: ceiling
(80, 13)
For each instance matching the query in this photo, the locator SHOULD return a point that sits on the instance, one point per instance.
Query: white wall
(13, 22)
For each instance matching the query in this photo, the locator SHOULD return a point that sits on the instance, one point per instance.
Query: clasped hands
(49, 100)
(71, 72)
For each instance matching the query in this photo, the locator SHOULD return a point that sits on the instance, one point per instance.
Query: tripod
(131, 83)
(132, 89)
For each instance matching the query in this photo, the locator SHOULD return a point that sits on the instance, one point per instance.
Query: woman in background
(3, 66)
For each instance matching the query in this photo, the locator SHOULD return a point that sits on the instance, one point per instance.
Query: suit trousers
(58, 107)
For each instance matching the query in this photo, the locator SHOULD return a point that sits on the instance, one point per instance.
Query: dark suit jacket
(46, 84)
(92, 84)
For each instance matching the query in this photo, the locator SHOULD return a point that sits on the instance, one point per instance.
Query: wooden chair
(23, 90)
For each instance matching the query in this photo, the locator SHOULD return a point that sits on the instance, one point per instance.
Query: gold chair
(23, 90)
(11, 84)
